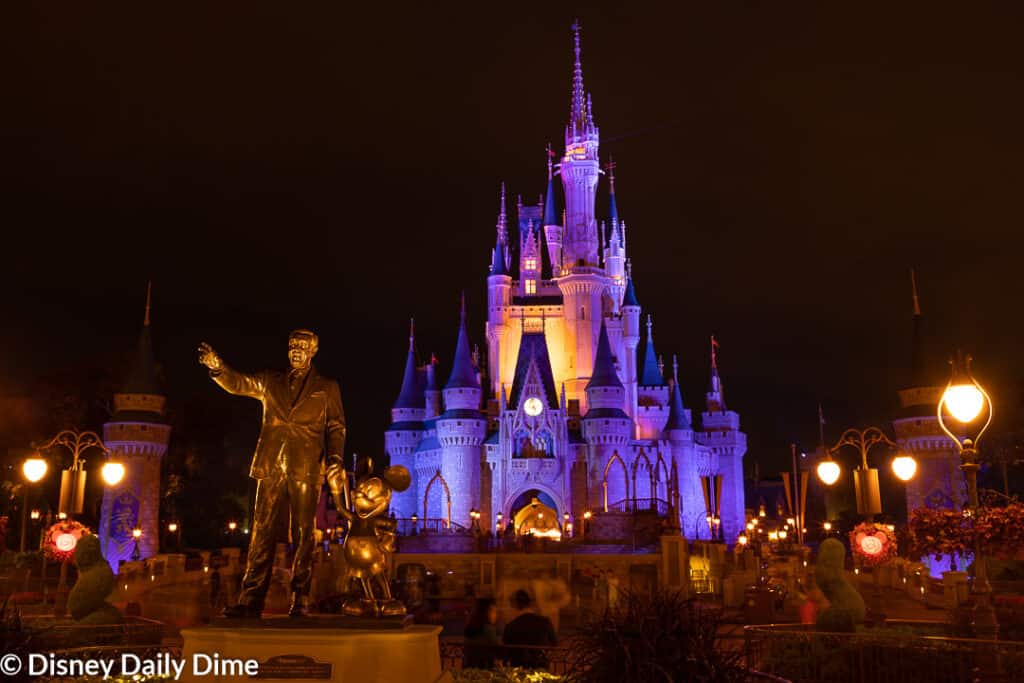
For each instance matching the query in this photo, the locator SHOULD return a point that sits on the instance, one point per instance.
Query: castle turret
(406, 429)
(499, 298)
(686, 491)
(727, 444)
(630, 341)
(607, 428)
(137, 436)
(552, 225)
(615, 249)
(918, 432)
(461, 430)
(653, 394)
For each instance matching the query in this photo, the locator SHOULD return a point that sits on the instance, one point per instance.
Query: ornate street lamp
(72, 481)
(967, 402)
(136, 534)
(865, 479)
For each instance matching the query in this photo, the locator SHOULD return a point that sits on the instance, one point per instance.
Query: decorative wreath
(61, 539)
(873, 543)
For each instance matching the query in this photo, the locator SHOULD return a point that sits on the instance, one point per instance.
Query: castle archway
(537, 508)
(441, 504)
(616, 480)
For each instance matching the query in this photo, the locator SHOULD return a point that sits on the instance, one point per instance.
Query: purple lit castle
(569, 416)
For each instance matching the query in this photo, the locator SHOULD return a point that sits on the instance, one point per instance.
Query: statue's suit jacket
(294, 432)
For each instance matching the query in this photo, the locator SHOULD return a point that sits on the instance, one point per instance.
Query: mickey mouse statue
(371, 536)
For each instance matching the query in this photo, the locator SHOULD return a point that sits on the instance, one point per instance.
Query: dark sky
(781, 166)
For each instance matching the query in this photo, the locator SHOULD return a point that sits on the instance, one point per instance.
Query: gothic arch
(625, 477)
(662, 480)
(560, 506)
(447, 494)
(650, 477)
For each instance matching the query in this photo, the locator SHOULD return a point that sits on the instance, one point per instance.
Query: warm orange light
(828, 472)
(136, 532)
(964, 402)
(34, 469)
(742, 540)
(904, 467)
(112, 473)
(827, 526)
(172, 527)
(234, 525)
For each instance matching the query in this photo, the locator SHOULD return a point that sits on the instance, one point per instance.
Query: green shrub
(87, 601)
(846, 606)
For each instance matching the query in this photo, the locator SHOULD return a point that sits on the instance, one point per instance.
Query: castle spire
(409, 396)
(149, 290)
(142, 378)
(651, 375)
(463, 375)
(550, 199)
(613, 209)
(715, 399)
(913, 290)
(605, 374)
(918, 375)
(578, 110)
(676, 413)
(500, 255)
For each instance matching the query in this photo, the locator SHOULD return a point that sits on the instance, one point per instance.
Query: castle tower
(653, 394)
(552, 225)
(137, 436)
(615, 249)
(685, 483)
(727, 444)
(580, 171)
(607, 429)
(461, 430)
(939, 483)
(406, 429)
(630, 310)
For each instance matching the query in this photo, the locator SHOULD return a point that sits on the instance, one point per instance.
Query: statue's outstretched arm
(230, 380)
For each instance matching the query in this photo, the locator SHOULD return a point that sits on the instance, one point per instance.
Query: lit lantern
(112, 473)
(904, 467)
(742, 540)
(964, 401)
(34, 469)
(828, 472)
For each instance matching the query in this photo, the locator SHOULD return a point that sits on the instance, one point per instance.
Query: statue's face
(371, 497)
(301, 350)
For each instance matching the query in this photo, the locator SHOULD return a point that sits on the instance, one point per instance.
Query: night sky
(781, 167)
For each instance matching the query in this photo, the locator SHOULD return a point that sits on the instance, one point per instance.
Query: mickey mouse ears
(397, 477)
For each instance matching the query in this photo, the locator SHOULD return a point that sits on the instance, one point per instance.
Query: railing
(889, 656)
(456, 654)
(640, 505)
(430, 525)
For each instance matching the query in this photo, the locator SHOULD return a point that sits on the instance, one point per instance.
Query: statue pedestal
(310, 651)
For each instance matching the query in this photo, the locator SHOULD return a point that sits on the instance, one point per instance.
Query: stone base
(316, 652)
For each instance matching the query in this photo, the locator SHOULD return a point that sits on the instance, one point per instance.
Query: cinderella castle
(568, 415)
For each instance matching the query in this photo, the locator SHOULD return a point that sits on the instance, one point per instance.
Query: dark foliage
(659, 637)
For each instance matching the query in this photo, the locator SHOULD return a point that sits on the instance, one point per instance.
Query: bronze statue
(301, 410)
(370, 540)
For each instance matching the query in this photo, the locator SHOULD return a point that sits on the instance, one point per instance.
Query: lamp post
(136, 535)
(865, 479)
(966, 401)
(72, 481)
(34, 469)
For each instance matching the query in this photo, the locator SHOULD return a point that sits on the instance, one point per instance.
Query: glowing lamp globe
(34, 469)
(742, 540)
(904, 467)
(828, 472)
(870, 545)
(783, 534)
(964, 402)
(136, 532)
(112, 473)
(65, 542)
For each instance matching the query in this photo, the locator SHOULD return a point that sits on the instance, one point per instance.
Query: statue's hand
(337, 478)
(209, 357)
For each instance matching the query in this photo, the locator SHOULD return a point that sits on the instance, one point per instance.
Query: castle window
(530, 264)
(531, 286)
(583, 313)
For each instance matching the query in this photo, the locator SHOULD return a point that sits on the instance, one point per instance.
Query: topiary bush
(87, 600)
(846, 606)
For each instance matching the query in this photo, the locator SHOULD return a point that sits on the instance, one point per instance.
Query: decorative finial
(551, 162)
(661, 364)
(412, 332)
(913, 289)
(578, 111)
(675, 368)
(714, 353)
(629, 268)
(610, 167)
(149, 289)
(649, 325)
(462, 305)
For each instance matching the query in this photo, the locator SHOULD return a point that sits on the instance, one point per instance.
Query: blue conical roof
(411, 395)
(676, 412)
(629, 298)
(613, 209)
(498, 259)
(551, 204)
(463, 375)
(604, 364)
(651, 375)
